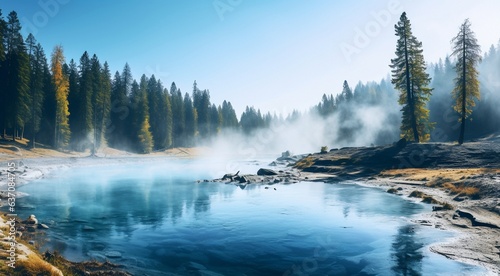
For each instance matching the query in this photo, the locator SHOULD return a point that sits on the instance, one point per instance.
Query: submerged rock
(113, 254)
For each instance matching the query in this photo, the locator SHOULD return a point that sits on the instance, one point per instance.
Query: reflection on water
(407, 252)
(159, 219)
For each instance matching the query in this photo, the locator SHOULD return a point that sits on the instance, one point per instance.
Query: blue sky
(275, 55)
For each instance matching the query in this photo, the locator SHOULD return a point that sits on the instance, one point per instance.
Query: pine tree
(347, 92)
(61, 85)
(38, 62)
(47, 126)
(3, 95)
(140, 116)
(103, 103)
(2, 36)
(229, 118)
(191, 118)
(117, 129)
(160, 113)
(82, 135)
(16, 80)
(179, 122)
(410, 78)
(101, 87)
(466, 91)
(215, 120)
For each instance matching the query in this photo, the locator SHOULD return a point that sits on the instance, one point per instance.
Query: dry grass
(304, 163)
(448, 179)
(451, 175)
(36, 266)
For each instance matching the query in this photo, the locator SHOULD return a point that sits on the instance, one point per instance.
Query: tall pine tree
(38, 62)
(191, 118)
(17, 78)
(466, 91)
(410, 78)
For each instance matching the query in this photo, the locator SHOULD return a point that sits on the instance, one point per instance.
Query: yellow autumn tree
(61, 85)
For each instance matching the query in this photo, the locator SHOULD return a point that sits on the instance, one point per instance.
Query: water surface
(160, 220)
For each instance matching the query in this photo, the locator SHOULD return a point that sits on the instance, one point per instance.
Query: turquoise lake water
(160, 221)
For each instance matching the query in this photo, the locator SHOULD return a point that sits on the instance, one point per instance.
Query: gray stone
(266, 172)
(31, 220)
(42, 226)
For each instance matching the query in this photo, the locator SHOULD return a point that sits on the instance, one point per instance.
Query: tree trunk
(409, 93)
(464, 91)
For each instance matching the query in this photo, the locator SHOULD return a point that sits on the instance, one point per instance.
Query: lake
(156, 219)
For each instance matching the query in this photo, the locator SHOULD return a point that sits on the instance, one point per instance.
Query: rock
(401, 143)
(31, 228)
(230, 176)
(266, 188)
(460, 198)
(437, 208)
(266, 172)
(42, 226)
(113, 254)
(277, 180)
(88, 228)
(32, 242)
(31, 220)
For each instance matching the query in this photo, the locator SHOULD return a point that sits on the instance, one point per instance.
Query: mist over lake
(156, 218)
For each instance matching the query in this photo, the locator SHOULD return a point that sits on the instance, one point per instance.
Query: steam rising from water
(366, 125)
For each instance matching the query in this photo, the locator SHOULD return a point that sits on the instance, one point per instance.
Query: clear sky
(276, 55)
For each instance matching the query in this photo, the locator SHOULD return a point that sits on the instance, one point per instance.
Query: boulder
(42, 226)
(266, 172)
(401, 143)
(31, 220)
(230, 176)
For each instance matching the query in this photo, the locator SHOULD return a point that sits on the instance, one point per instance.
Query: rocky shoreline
(462, 182)
(474, 217)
